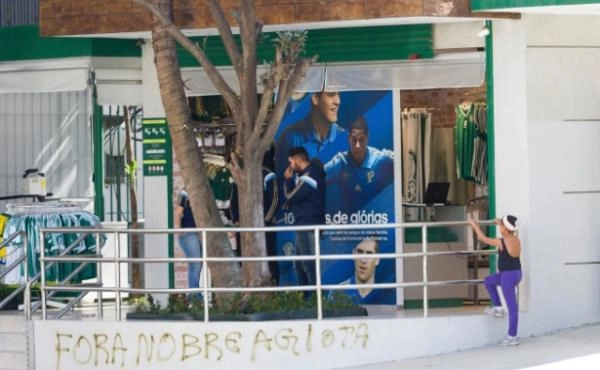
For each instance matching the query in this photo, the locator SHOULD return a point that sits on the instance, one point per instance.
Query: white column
(156, 195)
(398, 195)
(511, 130)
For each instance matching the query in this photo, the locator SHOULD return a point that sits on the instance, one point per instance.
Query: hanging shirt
(221, 183)
(464, 139)
(54, 243)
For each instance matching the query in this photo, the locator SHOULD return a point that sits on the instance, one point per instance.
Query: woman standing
(508, 276)
(189, 241)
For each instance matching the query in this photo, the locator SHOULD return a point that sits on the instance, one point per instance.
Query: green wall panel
(331, 45)
(25, 43)
(481, 5)
(336, 45)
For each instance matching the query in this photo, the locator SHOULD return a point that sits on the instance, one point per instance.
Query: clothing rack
(420, 109)
(66, 205)
(39, 198)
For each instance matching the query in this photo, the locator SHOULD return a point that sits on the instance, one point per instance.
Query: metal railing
(14, 265)
(47, 290)
(24, 259)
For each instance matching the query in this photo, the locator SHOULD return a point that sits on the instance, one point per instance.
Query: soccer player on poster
(364, 273)
(318, 132)
(358, 174)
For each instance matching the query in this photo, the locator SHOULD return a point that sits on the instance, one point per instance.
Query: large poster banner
(352, 134)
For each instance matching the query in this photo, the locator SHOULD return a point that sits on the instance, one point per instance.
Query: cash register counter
(448, 267)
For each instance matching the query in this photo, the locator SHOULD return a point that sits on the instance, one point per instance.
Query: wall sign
(156, 146)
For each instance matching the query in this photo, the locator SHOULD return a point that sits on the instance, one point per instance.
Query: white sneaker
(494, 311)
(509, 341)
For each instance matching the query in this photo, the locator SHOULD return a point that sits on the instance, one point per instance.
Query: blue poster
(351, 133)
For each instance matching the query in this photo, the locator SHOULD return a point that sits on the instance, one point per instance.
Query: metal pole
(118, 275)
(43, 276)
(425, 293)
(27, 298)
(205, 276)
(318, 274)
(100, 308)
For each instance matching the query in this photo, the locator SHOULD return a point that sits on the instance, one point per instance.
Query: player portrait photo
(351, 133)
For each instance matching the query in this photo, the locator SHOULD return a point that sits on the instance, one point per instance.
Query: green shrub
(240, 304)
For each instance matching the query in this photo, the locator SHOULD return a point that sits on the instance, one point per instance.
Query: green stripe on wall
(491, 132)
(25, 43)
(335, 45)
(483, 5)
(98, 132)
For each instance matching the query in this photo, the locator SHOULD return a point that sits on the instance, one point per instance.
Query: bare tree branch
(270, 82)
(211, 71)
(263, 110)
(233, 51)
(275, 79)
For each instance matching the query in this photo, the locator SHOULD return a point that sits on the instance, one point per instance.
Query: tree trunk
(136, 276)
(251, 215)
(192, 166)
(255, 124)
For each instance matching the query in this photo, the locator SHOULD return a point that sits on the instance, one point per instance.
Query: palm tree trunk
(193, 169)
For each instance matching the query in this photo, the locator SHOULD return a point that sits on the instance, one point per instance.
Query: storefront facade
(542, 93)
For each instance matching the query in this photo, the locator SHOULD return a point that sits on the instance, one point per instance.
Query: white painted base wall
(256, 345)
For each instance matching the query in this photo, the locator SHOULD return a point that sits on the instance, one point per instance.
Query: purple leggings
(508, 281)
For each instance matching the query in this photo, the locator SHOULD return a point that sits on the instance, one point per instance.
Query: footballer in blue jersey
(318, 133)
(364, 273)
(357, 175)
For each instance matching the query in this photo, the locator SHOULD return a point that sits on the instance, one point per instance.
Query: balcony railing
(46, 261)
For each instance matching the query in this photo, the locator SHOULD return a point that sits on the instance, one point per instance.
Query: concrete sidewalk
(577, 348)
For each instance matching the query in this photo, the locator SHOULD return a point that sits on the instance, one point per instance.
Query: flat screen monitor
(436, 193)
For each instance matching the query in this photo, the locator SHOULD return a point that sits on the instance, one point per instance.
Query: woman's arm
(177, 217)
(485, 239)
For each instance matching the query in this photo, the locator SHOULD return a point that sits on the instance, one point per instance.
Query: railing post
(425, 280)
(204, 275)
(118, 276)
(318, 274)
(100, 308)
(27, 297)
(42, 245)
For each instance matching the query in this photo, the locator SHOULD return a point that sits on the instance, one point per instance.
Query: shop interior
(444, 178)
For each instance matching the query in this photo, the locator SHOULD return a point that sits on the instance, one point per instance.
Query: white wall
(296, 344)
(457, 35)
(50, 131)
(155, 187)
(547, 120)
